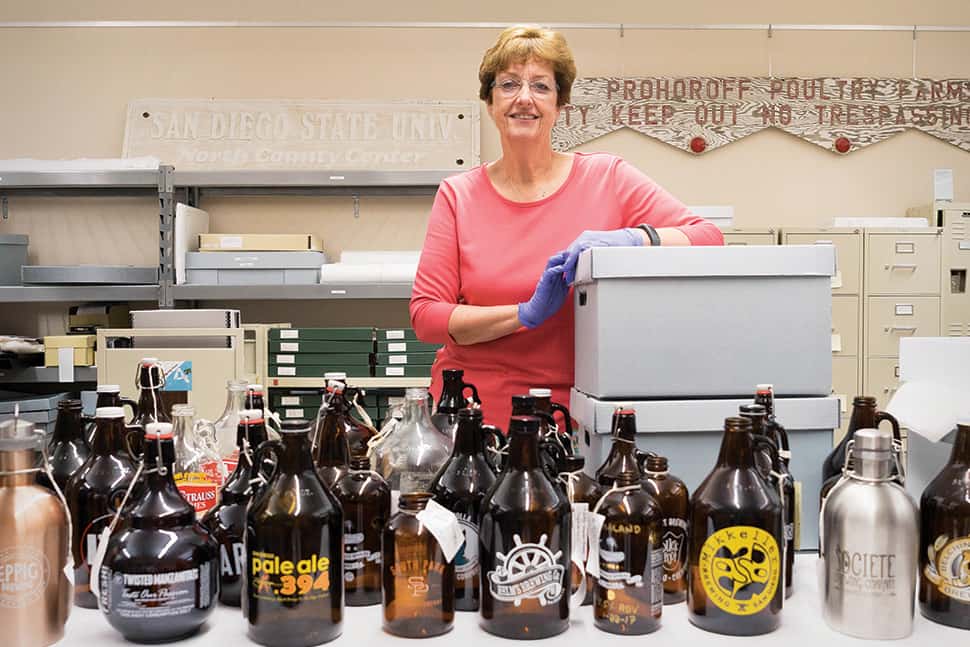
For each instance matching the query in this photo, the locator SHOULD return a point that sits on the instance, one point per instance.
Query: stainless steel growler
(35, 592)
(869, 545)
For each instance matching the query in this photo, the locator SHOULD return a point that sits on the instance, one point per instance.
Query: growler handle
(267, 449)
(130, 431)
(495, 447)
(641, 457)
(475, 397)
(882, 415)
(555, 456)
(776, 466)
(568, 420)
(131, 404)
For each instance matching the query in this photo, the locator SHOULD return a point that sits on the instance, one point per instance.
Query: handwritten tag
(443, 524)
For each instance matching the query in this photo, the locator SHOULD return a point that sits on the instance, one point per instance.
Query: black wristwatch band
(651, 234)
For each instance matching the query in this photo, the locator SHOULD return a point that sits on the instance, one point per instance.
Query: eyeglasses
(512, 87)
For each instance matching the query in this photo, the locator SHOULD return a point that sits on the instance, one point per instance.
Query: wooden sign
(699, 114)
(339, 135)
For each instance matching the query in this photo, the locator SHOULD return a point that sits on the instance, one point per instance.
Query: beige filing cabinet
(846, 309)
(954, 218)
(901, 299)
(744, 236)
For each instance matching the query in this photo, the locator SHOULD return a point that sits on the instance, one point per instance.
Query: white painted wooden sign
(279, 134)
(699, 114)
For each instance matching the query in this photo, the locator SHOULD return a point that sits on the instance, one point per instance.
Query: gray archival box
(690, 322)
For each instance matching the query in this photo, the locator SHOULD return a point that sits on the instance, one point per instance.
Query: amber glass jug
(366, 501)
(674, 501)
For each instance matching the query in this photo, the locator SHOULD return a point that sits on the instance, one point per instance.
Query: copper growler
(35, 592)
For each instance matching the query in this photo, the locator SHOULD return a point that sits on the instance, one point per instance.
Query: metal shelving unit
(61, 293)
(295, 292)
(46, 374)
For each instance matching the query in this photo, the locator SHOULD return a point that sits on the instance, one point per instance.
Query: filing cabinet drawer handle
(901, 266)
(902, 328)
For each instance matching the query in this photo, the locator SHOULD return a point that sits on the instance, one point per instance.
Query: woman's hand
(549, 295)
(628, 237)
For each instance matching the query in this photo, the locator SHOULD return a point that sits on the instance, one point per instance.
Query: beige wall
(65, 92)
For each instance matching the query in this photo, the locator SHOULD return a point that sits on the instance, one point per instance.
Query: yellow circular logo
(740, 567)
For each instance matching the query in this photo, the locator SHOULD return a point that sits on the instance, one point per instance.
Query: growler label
(200, 490)
(949, 567)
(739, 569)
(614, 567)
(283, 580)
(466, 561)
(870, 573)
(528, 571)
(356, 556)
(674, 548)
(24, 575)
(232, 559)
(155, 595)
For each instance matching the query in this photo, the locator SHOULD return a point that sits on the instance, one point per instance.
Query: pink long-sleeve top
(482, 249)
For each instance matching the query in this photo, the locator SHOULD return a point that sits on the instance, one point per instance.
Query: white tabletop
(802, 625)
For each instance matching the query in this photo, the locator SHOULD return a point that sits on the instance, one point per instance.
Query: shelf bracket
(356, 206)
(4, 207)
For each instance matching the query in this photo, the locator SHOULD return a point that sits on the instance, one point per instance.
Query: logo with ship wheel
(528, 571)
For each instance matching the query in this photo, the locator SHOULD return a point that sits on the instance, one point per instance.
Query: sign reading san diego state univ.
(699, 114)
(196, 134)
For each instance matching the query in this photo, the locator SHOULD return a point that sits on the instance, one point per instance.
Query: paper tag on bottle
(443, 524)
(94, 579)
(593, 538)
(580, 532)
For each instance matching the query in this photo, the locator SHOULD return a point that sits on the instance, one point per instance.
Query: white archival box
(934, 375)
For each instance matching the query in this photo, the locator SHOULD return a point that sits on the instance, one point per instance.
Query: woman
(529, 214)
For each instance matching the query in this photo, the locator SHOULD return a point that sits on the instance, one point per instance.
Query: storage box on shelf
(201, 373)
(846, 308)
(954, 218)
(38, 409)
(688, 433)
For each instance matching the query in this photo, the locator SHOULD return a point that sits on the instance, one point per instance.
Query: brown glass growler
(525, 544)
(761, 425)
(68, 447)
(292, 594)
(226, 522)
(944, 566)
(154, 404)
(109, 395)
(452, 400)
(583, 491)
(544, 404)
(674, 501)
(338, 436)
(529, 405)
(366, 501)
(624, 455)
(159, 580)
(460, 485)
(93, 493)
(628, 598)
(419, 582)
(736, 535)
(865, 415)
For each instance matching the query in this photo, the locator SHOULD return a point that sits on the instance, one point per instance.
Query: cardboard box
(277, 370)
(406, 347)
(82, 357)
(283, 346)
(410, 359)
(260, 242)
(69, 341)
(402, 371)
(322, 334)
(321, 359)
(98, 315)
(396, 334)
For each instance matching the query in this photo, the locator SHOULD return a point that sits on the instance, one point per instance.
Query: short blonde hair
(521, 43)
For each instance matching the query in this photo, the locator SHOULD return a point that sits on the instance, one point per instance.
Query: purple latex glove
(628, 237)
(549, 295)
